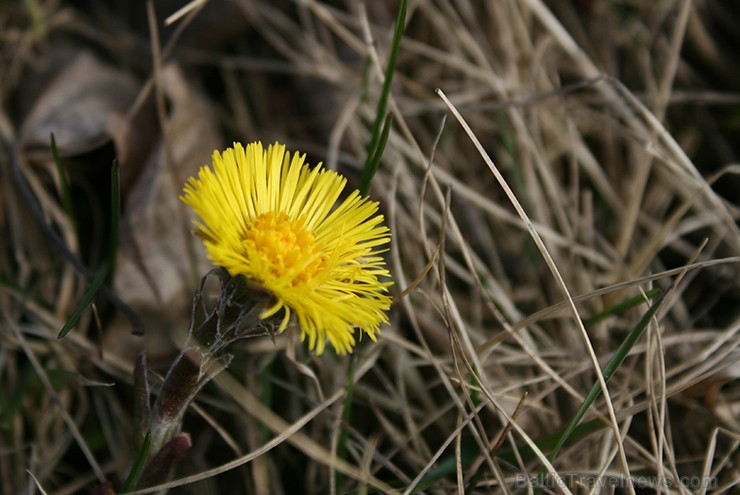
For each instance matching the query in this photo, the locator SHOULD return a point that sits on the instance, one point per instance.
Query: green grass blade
(372, 166)
(138, 466)
(141, 402)
(86, 300)
(574, 431)
(447, 466)
(373, 149)
(64, 184)
(620, 307)
(107, 268)
(608, 372)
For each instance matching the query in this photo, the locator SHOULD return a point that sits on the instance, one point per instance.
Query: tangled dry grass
(547, 162)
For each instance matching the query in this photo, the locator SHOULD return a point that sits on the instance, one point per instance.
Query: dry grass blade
(285, 432)
(68, 420)
(556, 273)
(184, 10)
(608, 134)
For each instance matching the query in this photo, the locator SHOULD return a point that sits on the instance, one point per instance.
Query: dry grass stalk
(603, 187)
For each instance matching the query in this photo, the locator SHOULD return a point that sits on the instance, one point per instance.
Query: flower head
(268, 216)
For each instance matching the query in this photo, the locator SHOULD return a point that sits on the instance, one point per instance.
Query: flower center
(282, 248)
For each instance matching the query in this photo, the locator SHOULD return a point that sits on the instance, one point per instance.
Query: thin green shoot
(107, 268)
(608, 371)
(373, 148)
(470, 453)
(620, 307)
(87, 299)
(66, 190)
(372, 166)
(138, 466)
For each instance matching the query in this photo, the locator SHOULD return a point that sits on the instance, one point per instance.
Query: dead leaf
(87, 105)
(160, 260)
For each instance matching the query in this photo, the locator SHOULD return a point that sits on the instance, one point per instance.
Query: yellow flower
(273, 219)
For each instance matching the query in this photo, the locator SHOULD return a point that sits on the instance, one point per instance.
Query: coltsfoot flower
(268, 216)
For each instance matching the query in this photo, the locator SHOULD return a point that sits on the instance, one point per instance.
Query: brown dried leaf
(82, 106)
(86, 105)
(160, 259)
